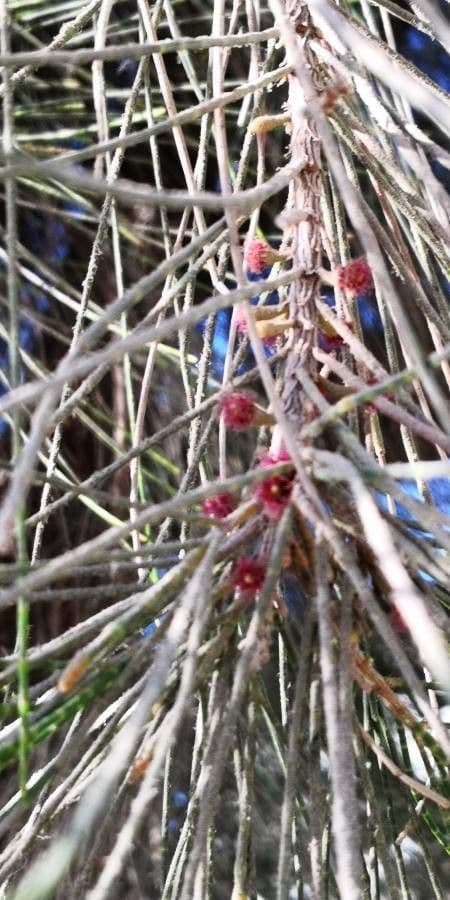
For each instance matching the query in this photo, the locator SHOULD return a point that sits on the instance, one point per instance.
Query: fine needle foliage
(225, 433)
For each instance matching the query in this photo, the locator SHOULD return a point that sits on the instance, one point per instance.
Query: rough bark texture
(304, 199)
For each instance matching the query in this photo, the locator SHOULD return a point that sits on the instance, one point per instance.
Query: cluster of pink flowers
(238, 410)
(220, 506)
(356, 277)
(274, 493)
(249, 574)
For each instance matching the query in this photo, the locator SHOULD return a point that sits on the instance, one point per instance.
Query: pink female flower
(220, 506)
(238, 410)
(356, 277)
(249, 574)
(259, 255)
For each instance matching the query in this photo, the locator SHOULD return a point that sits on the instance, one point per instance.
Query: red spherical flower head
(220, 506)
(356, 277)
(274, 494)
(249, 574)
(258, 255)
(237, 409)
